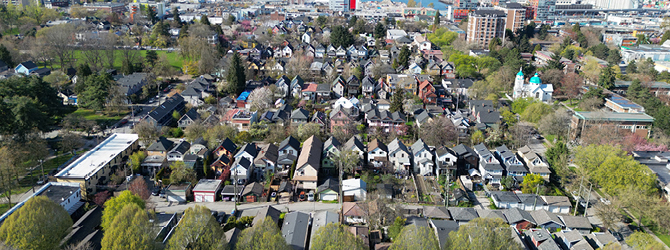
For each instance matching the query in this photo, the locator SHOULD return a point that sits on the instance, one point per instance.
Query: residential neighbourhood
(335, 124)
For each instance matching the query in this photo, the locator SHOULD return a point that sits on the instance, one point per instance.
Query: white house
(355, 145)
(377, 153)
(307, 38)
(534, 89)
(339, 85)
(248, 151)
(505, 199)
(558, 204)
(399, 156)
(355, 187)
(423, 158)
(489, 166)
(177, 153)
(240, 169)
(445, 159)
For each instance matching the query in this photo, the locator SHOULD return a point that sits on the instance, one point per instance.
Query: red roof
(229, 114)
(310, 87)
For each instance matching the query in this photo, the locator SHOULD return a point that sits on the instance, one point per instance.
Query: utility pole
(580, 193)
(235, 190)
(587, 200)
(536, 193)
(340, 185)
(446, 189)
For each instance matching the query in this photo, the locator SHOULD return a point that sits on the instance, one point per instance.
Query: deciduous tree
(39, 224)
(139, 187)
(534, 112)
(398, 225)
(643, 241)
(146, 131)
(180, 173)
(438, 131)
(335, 236)
(483, 233)
(413, 237)
(114, 205)
(262, 236)
(198, 229)
(130, 229)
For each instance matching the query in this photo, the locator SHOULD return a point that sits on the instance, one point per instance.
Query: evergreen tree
(340, 36)
(151, 57)
(183, 32)
(7, 58)
(93, 90)
(632, 67)
(396, 100)
(566, 42)
(83, 70)
(436, 20)
(544, 31)
(403, 56)
(39, 224)
(637, 92)
(555, 62)
(380, 31)
(607, 78)
(665, 36)
(177, 18)
(204, 20)
(151, 15)
(236, 77)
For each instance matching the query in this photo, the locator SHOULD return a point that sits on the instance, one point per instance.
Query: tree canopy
(114, 205)
(262, 236)
(29, 103)
(39, 224)
(643, 241)
(198, 229)
(340, 36)
(236, 77)
(93, 90)
(535, 111)
(335, 236)
(130, 229)
(412, 237)
(483, 234)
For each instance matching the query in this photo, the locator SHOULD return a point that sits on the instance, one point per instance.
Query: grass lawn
(19, 190)
(11, 32)
(664, 237)
(550, 138)
(100, 117)
(4, 208)
(173, 57)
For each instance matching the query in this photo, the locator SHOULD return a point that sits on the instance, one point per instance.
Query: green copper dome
(535, 79)
(520, 73)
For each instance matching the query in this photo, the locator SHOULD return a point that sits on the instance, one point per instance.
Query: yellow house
(94, 168)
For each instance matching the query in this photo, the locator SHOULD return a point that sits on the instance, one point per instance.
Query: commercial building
(516, 15)
(484, 25)
(655, 52)
(620, 104)
(339, 5)
(108, 7)
(544, 9)
(94, 168)
(637, 123)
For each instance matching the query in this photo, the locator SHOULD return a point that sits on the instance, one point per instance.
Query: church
(533, 89)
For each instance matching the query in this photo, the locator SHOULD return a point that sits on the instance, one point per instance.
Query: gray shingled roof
(295, 229)
(463, 213)
(516, 215)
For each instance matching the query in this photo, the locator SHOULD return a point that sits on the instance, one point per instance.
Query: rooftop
(91, 162)
(207, 185)
(610, 116)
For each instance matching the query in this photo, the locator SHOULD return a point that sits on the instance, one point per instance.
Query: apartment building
(484, 25)
(516, 15)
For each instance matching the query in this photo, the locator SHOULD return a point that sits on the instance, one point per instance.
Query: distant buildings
(484, 25)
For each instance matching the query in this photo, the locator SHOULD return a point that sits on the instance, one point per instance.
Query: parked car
(616, 234)
(605, 201)
(273, 196)
(156, 191)
(310, 196)
(301, 197)
(124, 121)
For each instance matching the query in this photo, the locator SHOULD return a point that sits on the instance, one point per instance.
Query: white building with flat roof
(68, 195)
(95, 167)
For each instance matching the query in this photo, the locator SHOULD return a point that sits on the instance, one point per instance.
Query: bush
(176, 132)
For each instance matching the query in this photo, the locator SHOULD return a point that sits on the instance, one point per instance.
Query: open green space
(4, 208)
(100, 117)
(173, 57)
(11, 32)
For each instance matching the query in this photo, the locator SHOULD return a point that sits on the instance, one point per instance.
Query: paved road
(248, 208)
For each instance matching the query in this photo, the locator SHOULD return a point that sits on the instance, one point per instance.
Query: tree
(535, 111)
(151, 57)
(236, 78)
(205, 20)
(151, 15)
(544, 31)
(398, 225)
(56, 41)
(130, 229)
(39, 224)
(641, 240)
(436, 20)
(438, 131)
(139, 187)
(5, 56)
(114, 205)
(380, 31)
(483, 233)
(555, 62)
(413, 237)
(335, 236)
(530, 183)
(403, 56)
(411, 3)
(632, 66)
(556, 123)
(136, 160)
(638, 201)
(477, 137)
(607, 78)
(397, 101)
(570, 85)
(609, 214)
(591, 70)
(262, 236)
(94, 90)
(194, 131)
(146, 131)
(340, 36)
(176, 17)
(321, 20)
(181, 174)
(198, 229)
(70, 142)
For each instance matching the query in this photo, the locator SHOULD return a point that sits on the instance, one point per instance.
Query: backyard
(172, 56)
(101, 117)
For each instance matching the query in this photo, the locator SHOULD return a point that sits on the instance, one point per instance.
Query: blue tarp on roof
(243, 96)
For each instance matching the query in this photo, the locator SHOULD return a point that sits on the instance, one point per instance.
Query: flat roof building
(67, 195)
(95, 167)
(637, 123)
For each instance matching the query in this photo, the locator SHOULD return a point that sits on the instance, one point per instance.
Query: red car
(124, 121)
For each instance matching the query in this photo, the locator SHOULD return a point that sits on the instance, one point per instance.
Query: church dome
(520, 73)
(535, 79)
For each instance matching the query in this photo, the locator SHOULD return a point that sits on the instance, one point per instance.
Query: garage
(206, 190)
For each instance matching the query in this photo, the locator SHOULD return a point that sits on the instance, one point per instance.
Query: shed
(179, 193)
(228, 192)
(252, 192)
(206, 190)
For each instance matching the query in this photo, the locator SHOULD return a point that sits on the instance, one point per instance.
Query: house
(489, 166)
(353, 86)
(558, 204)
(339, 86)
(445, 159)
(423, 158)
(321, 219)
(331, 148)
(535, 163)
(299, 116)
(283, 85)
(220, 164)
(307, 37)
(531, 202)
(463, 215)
(252, 192)
(239, 170)
(160, 147)
(519, 219)
(341, 117)
(309, 91)
(467, 158)
(267, 211)
(227, 147)
(206, 190)
(427, 93)
(492, 214)
(547, 220)
(436, 212)
(484, 113)
(442, 228)
(394, 34)
(356, 188)
(377, 154)
(189, 118)
(385, 119)
(320, 118)
(513, 166)
(541, 239)
(369, 86)
(580, 224)
(295, 229)
(308, 164)
(178, 152)
(288, 153)
(399, 156)
(322, 93)
(296, 85)
(353, 213)
(266, 160)
(199, 147)
(230, 192)
(162, 115)
(354, 144)
(248, 151)
(26, 68)
(179, 193)
(572, 240)
(600, 240)
(193, 96)
(133, 83)
(505, 199)
(328, 190)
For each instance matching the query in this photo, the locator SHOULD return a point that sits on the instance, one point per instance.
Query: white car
(605, 201)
